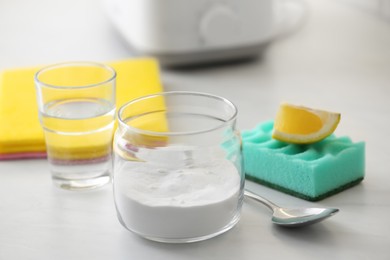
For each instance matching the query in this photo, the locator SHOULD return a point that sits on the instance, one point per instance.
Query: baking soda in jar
(178, 173)
(178, 204)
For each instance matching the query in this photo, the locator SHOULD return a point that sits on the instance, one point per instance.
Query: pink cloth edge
(22, 155)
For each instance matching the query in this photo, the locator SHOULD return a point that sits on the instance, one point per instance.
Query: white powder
(178, 204)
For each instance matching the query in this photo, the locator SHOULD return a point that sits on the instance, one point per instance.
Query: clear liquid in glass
(78, 135)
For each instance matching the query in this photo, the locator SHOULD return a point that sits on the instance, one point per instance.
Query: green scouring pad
(312, 172)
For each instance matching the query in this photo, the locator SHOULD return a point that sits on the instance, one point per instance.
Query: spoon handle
(260, 199)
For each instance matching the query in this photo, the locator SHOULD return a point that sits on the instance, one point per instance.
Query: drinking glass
(178, 173)
(76, 104)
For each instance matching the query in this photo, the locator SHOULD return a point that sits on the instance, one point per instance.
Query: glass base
(81, 184)
(187, 239)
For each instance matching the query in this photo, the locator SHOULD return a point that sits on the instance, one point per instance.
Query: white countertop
(338, 60)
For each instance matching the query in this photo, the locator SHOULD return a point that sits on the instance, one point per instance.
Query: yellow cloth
(20, 130)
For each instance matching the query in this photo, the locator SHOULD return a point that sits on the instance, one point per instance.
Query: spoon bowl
(293, 217)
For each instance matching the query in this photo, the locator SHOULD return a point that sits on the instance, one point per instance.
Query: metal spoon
(293, 217)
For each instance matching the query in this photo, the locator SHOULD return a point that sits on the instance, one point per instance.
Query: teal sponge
(311, 172)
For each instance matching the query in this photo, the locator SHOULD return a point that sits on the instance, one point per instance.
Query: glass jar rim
(174, 93)
(75, 63)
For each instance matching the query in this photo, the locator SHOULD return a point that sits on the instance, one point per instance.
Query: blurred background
(45, 31)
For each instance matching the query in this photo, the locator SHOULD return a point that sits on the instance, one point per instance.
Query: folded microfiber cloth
(21, 135)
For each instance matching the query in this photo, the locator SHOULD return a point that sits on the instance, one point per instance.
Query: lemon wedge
(303, 125)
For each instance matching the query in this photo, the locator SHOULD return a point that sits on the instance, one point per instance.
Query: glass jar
(178, 173)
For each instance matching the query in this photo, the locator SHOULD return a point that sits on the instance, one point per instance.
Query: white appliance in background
(188, 32)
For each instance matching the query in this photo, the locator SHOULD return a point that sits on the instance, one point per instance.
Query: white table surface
(338, 60)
